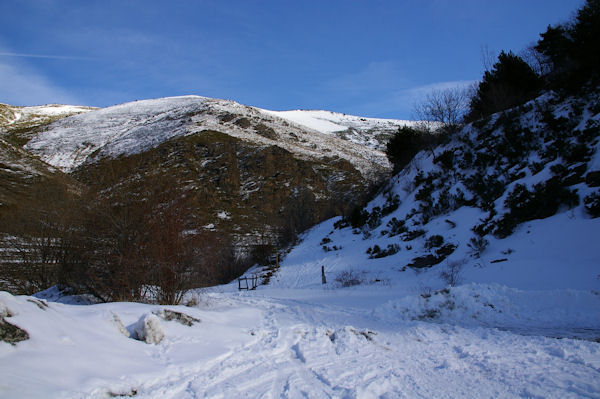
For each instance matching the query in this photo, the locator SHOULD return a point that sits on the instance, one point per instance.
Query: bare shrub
(170, 256)
(348, 278)
(116, 244)
(38, 243)
(451, 273)
(477, 246)
(444, 106)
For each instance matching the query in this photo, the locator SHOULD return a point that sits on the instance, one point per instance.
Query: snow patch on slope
(345, 126)
(330, 122)
(39, 113)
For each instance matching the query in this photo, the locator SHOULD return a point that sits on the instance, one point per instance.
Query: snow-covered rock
(179, 317)
(148, 329)
(10, 333)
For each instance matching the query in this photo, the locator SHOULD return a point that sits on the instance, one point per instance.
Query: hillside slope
(512, 201)
(19, 169)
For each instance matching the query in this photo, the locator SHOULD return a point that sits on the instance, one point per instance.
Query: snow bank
(78, 351)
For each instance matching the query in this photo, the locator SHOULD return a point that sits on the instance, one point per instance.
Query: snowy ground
(318, 342)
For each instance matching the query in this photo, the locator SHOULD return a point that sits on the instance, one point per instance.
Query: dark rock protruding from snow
(10, 333)
(181, 318)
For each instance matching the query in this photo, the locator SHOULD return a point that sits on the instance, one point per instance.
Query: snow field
(261, 344)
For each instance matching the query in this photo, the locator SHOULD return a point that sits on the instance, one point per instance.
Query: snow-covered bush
(392, 202)
(592, 178)
(412, 234)
(374, 219)
(376, 252)
(434, 241)
(543, 201)
(405, 144)
(397, 226)
(445, 159)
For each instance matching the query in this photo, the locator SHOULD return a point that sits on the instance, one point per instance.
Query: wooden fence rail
(248, 283)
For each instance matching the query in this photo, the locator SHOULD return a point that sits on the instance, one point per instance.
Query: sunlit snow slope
(372, 132)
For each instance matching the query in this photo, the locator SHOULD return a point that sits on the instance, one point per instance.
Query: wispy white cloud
(423, 90)
(53, 57)
(22, 85)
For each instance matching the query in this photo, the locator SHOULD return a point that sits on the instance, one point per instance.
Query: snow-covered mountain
(135, 127)
(18, 117)
(270, 176)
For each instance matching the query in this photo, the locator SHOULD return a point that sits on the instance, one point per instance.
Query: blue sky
(370, 58)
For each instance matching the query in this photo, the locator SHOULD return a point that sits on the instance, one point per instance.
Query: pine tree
(511, 82)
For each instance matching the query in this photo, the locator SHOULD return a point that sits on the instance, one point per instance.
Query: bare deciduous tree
(37, 240)
(535, 60)
(444, 107)
(118, 244)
